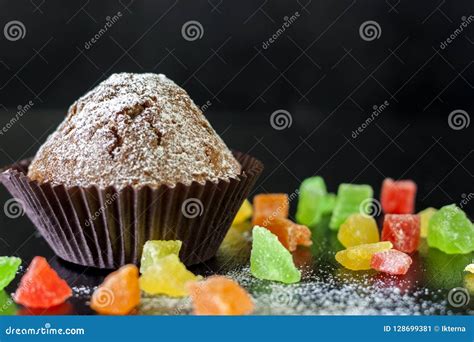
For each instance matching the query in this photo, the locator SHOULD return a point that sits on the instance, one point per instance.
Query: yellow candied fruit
(167, 276)
(469, 282)
(245, 213)
(425, 216)
(358, 257)
(154, 250)
(357, 230)
(469, 268)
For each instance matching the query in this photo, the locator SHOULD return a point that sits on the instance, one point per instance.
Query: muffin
(134, 129)
(135, 159)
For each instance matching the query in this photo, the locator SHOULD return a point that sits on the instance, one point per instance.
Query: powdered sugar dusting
(324, 293)
(133, 129)
(327, 293)
(82, 291)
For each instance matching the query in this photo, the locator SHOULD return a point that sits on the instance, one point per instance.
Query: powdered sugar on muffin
(133, 129)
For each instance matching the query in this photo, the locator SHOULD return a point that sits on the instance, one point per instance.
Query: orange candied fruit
(218, 295)
(289, 233)
(119, 294)
(268, 207)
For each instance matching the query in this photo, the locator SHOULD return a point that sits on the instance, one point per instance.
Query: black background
(320, 70)
(229, 66)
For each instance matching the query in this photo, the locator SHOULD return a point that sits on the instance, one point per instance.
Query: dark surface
(432, 271)
(319, 70)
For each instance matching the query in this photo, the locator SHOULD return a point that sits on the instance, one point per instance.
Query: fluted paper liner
(107, 228)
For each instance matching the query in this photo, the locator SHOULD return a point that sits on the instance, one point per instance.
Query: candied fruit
(403, 230)
(358, 230)
(289, 233)
(219, 295)
(398, 197)
(8, 268)
(391, 262)
(469, 282)
(358, 257)
(154, 250)
(41, 287)
(469, 268)
(269, 206)
(7, 306)
(270, 260)
(311, 200)
(350, 200)
(167, 276)
(119, 294)
(451, 231)
(245, 213)
(329, 201)
(425, 217)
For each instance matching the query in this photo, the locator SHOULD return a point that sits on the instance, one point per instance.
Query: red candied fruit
(391, 262)
(398, 197)
(41, 287)
(403, 231)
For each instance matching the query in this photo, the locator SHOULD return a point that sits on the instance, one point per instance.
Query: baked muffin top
(133, 129)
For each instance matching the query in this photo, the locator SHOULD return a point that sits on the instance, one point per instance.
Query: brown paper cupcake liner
(107, 228)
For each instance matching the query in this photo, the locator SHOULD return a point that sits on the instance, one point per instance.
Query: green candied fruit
(311, 200)
(450, 231)
(351, 199)
(7, 306)
(329, 203)
(270, 260)
(8, 268)
(153, 250)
